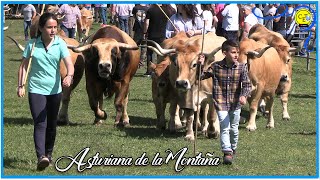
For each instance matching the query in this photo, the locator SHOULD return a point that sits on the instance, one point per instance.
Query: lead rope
(198, 93)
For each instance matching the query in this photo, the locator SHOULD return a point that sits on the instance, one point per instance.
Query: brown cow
(78, 61)
(162, 90)
(260, 33)
(110, 66)
(265, 71)
(182, 74)
(86, 20)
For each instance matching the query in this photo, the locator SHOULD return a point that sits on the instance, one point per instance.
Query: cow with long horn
(182, 75)
(265, 71)
(111, 60)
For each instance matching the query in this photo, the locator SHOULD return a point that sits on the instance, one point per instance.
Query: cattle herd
(110, 58)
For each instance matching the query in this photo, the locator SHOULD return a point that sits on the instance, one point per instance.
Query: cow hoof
(213, 135)
(126, 124)
(97, 122)
(269, 126)
(189, 137)
(62, 123)
(179, 126)
(286, 118)
(251, 128)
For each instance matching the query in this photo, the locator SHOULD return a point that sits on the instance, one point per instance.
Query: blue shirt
(44, 75)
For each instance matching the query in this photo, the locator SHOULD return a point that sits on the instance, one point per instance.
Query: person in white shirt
(208, 17)
(257, 12)
(268, 12)
(249, 20)
(230, 22)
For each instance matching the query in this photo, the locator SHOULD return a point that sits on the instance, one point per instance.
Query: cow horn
(80, 48)
(292, 49)
(161, 50)
(127, 46)
(258, 54)
(17, 44)
(155, 50)
(212, 53)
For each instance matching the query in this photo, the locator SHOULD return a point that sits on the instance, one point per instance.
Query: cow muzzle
(284, 78)
(104, 69)
(183, 85)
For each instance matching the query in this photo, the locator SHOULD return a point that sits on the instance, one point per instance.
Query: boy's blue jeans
(229, 133)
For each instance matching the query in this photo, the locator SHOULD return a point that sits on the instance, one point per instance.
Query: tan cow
(78, 62)
(260, 33)
(86, 20)
(112, 60)
(265, 71)
(182, 75)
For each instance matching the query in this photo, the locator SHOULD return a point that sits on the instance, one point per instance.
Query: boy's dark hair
(228, 44)
(43, 20)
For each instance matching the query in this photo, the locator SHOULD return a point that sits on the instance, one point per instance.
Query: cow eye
(194, 65)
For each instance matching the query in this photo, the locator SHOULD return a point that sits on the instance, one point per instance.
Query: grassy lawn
(290, 149)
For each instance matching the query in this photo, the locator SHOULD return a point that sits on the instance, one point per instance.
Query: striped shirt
(229, 83)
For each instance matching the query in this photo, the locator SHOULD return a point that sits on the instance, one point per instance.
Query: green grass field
(287, 150)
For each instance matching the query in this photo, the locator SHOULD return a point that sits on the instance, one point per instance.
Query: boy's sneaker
(227, 158)
(43, 162)
(147, 74)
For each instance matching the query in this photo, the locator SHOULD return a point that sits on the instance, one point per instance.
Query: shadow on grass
(146, 128)
(18, 121)
(9, 163)
(309, 96)
(16, 60)
(29, 121)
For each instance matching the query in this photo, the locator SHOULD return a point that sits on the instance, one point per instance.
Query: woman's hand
(67, 81)
(21, 91)
(190, 33)
(243, 100)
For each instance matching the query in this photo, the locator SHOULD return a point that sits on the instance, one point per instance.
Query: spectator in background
(72, 15)
(103, 13)
(155, 26)
(88, 6)
(97, 13)
(131, 21)
(291, 24)
(218, 10)
(139, 12)
(268, 12)
(186, 20)
(123, 13)
(249, 20)
(208, 17)
(230, 23)
(257, 12)
(279, 23)
(113, 19)
(29, 12)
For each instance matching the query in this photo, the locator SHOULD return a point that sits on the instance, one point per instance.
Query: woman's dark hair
(228, 44)
(43, 20)
(191, 11)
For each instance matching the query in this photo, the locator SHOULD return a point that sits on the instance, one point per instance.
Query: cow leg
(190, 116)
(125, 116)
(253, 102)
(174, 122)
(121, 93)
(269, 107)
(204, 123)
(284, 101)
(160, 110)
(213, 130)
(97, 120)
(95, 95)
(63, 118)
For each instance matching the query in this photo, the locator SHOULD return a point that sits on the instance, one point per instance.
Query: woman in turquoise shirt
(44, 84)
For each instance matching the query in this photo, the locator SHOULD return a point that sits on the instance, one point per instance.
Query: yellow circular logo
(303, 17)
